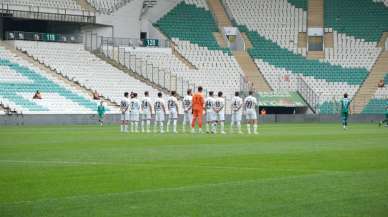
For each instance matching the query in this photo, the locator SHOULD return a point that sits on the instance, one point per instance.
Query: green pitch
(288, 170)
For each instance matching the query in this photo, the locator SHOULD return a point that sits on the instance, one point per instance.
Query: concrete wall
(153, 33)
(125, 21)
(160, 9)
(115, 119)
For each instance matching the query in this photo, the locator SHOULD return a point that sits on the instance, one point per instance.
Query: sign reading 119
(50, 37)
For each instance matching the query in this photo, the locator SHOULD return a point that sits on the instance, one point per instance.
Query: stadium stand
(273, 27)
(65, 4)
(347, 16)
(190, 25)
(190, 21)
(107, 6)
(19, 80)
(75, 63)
(378, 103)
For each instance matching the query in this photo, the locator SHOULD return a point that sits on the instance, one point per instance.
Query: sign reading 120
(151, 43)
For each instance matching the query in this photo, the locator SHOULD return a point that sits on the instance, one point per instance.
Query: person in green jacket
(385, 121)
(101, 113)
(345, 110)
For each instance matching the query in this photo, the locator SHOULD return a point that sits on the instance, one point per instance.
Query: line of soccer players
(135, 111)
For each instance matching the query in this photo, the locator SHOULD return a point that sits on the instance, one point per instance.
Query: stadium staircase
(183, 59)
(220, 39)
(315, 19)
(250, 69)
(247, 42)
(329, 40)
(302, 40)
(49, 71)
(132, 73)
(369, 87)
(176, 52)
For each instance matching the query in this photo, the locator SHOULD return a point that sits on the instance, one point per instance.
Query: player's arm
(149, 107)
(177, 107)
(163, 107)
(239, 108)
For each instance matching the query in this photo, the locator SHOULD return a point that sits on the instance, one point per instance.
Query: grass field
(288, 170)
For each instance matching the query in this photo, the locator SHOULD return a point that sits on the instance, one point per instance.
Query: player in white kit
(146, 116)
(219, 109)
(172, 104)
(250, 104)
(135, 113)
(187, 110)
(210, 114)
(237, 104)
(160, 111)
(124, 109)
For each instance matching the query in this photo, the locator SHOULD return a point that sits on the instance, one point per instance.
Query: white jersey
(209, 102)
(250, 103)
(135, 105)
(158, 105)
(124, 105)
(146, 105)
(188, 103)
(219, 105)
(237, 103)
(172, 104)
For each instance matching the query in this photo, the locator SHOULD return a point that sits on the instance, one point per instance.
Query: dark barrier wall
(115, 119)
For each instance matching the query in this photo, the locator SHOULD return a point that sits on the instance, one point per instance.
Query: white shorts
(159, 116)
(135, 117)
(221, 116)
(210, 116)
(236, 117)
(187, 117)
(251, 115)
(173, 115)
(125, 116)
(146, 116)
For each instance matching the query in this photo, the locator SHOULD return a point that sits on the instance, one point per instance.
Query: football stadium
(193, 108)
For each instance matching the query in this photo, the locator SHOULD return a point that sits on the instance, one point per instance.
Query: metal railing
(308, 93)
(46, 13)
(119, 51)
(47, 37)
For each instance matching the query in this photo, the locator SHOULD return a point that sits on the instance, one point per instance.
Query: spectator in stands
(37, 95)
(263, 112)
(96, 95)
(380, 84)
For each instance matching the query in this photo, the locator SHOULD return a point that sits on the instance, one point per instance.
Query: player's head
(134, 95)
(101, 102)
(236, 93)
(160, 94)
(173, 93)
(345, 95)
(146, 93)
(220, 94)
(200, 89)
(126, 94)
(250, 93)
(211, 93)
(189, 91)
